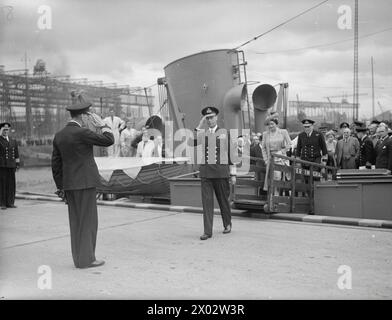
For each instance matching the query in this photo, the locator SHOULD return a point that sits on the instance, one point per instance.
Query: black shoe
(204, 237)
(3, 207)
(96, 263)
(12, 206)
(227, 229)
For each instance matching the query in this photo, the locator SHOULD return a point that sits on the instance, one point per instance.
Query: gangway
(293, 194)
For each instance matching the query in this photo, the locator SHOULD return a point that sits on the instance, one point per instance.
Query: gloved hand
(61, 194)
(96, 120)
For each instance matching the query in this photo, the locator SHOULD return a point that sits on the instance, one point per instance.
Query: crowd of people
(129, 142)
(354, 146)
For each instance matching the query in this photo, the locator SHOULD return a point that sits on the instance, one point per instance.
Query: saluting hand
(202, 121)
(96, 120)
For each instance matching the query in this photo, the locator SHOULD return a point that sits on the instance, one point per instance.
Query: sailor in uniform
(215, 172)
(9, 163)
(311, 144)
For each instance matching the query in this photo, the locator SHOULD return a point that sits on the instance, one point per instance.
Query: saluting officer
(311, 144)
(215, 173)
(76, 175)
(9, 163)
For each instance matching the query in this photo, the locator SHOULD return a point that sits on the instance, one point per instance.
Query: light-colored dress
(126, 138)
(275, 142)
(331, 148)
(145, 149)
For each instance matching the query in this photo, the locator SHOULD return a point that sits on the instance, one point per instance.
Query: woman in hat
(9, 163)
(331, 148)
(275, 140)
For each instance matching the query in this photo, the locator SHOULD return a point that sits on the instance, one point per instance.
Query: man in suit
(373, 131)
(115, 123)
(215, 171)
(76, 176)
(347, 150)
(311, 144)
(257, 152)
(9, 163)
(384, 149)
(366, 156)
(342, 126)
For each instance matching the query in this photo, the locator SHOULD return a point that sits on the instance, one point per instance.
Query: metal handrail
(309, 163)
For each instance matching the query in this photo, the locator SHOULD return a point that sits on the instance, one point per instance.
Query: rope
(281, 24)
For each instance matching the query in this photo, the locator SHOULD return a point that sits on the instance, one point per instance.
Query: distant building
(35, 104)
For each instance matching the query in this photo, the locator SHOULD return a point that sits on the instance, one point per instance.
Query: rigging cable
(325, 44)
(281, 24)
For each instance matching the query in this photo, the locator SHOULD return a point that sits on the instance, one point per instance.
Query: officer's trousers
(221, 187)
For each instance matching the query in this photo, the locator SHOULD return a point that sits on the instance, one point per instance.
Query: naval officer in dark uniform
(215, 173)
(366, 156)
(9, 163)
(76, 175)
(311, 144)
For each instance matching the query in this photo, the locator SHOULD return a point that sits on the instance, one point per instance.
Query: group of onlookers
(360, 147)
(352, 147)
(129, 142)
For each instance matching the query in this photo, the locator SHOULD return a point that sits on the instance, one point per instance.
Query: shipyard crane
(344, 97)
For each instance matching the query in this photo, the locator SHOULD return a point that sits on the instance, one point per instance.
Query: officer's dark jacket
(8, 153)
(366, 152)
(310, 148)
(73, 164)
(215, 159)
(384, 154)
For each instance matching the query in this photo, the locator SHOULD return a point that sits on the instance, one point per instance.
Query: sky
(131, 41)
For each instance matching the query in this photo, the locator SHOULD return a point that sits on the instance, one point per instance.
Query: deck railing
(294, 192)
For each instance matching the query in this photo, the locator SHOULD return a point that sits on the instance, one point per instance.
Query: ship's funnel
(263, 97)
(232, 107)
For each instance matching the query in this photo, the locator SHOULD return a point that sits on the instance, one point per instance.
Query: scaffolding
(333, 113)
(36, 104)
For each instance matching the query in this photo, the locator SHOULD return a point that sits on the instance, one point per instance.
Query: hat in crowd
(273, 116)
(307, 121)
(3, 124)
(359, 123)
(335, 130)
(361, 129)
(344, 124)
(330, 133)
(209, 110)
(79, 102)
(375, 121)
